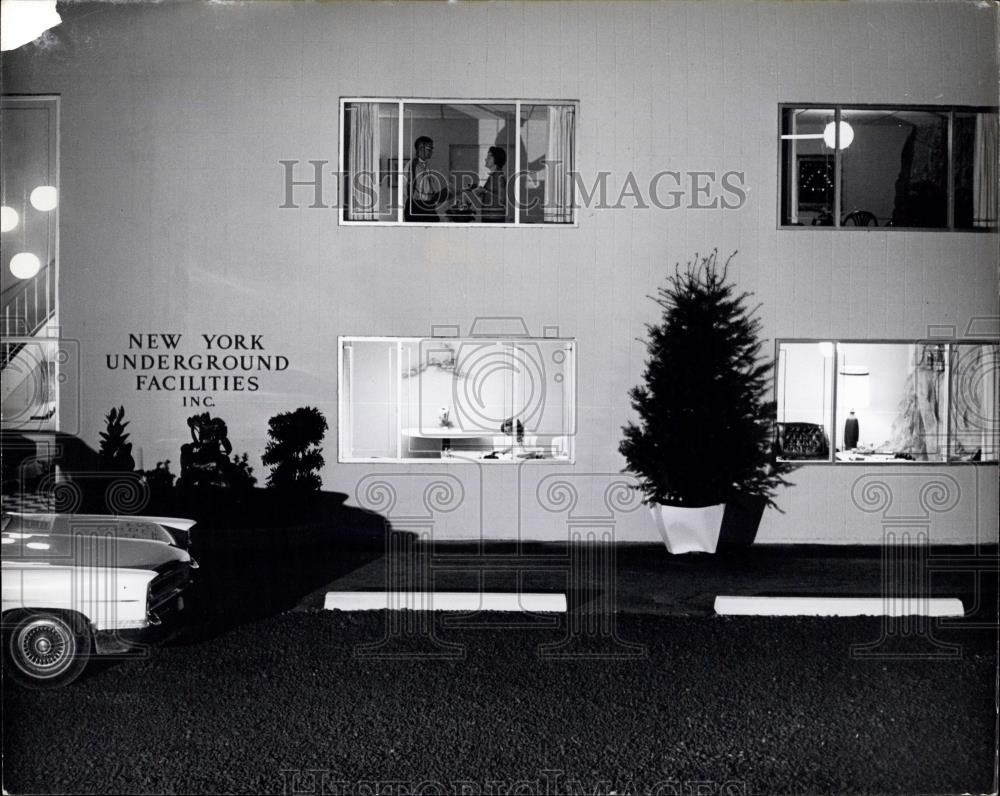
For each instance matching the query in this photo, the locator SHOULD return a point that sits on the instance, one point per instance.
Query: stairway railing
(27, 307)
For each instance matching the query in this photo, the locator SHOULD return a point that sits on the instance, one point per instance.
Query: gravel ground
(714, 705)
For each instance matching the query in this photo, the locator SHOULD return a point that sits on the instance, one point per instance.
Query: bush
(293, 451)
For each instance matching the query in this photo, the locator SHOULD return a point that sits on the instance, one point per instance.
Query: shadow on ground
(261, 555)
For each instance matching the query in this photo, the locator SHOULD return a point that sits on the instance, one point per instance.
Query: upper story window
(408, 161)
(478, 399)
(894, 166)
(893, 401)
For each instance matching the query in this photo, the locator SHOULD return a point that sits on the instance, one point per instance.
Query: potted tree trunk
(703, 440)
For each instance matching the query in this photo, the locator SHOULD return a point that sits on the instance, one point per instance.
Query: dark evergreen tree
(115, 449)
(293, 451)
(705, 419)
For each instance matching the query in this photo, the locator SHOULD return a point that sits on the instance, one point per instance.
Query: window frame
(401, 154)
(402, 340)
(838, 108)
(832, 395)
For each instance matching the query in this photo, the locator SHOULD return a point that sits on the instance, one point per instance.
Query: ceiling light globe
(25, 265)
(44, 198)
(830, 135)
(8, 218)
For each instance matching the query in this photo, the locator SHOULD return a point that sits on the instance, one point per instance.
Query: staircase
(27, 354)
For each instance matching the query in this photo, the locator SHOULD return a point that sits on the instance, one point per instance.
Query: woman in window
(492, 194)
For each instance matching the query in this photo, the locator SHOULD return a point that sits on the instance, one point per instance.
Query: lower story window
(906, 401)
(474, 399)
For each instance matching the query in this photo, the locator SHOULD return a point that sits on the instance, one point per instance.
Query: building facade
(203, 211)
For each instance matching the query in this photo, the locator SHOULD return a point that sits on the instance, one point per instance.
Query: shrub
(159, 479)
(115, 449)
(293, 451)
(241, 473)
(205, 460)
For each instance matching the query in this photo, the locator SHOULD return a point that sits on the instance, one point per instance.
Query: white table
(446, 435)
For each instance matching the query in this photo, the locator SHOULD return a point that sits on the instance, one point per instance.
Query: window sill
(456, 459)
(460, 225)
(800, 227)
(887, 462)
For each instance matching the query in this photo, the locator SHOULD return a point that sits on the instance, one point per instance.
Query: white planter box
(689, 530)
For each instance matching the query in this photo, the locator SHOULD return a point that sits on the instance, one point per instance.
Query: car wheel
(46, 650)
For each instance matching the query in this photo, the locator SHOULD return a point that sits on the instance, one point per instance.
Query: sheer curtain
(363, 162)
(917, 428)
(984, 179)
(559, 165)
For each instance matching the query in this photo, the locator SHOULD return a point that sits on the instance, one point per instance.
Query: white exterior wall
(174, 118)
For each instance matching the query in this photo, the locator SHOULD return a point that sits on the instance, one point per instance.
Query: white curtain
(917, 428)
(559, 165)
(363, 162)
(984, 179)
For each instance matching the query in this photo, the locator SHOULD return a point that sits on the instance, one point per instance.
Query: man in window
(424, 189)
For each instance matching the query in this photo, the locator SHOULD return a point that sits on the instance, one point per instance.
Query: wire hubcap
(44, 648)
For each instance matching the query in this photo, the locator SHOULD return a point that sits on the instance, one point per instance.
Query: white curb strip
(838, 606)
(443, 601)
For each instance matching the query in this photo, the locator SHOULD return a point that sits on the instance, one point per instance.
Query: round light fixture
(25, 265)
(8, 218)
(830, 135)
(44, 198)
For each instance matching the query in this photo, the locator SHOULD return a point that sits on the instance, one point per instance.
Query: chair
(860, 218)
(801, 441)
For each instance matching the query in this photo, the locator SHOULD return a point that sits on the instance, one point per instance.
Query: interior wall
(176, 117)
(871, 168)
(888, 366)
(803, 378)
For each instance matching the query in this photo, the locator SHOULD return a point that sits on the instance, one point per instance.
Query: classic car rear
(80, 584)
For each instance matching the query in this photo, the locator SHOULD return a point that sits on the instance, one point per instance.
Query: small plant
(293, 451)
(241, 473)
(159, 479)
(115, 449)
